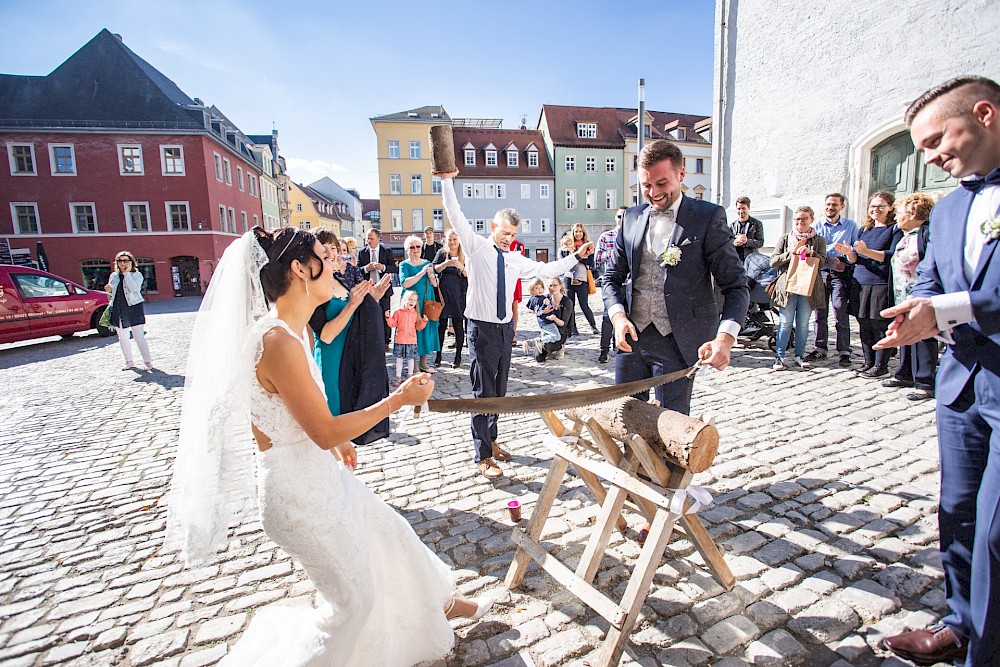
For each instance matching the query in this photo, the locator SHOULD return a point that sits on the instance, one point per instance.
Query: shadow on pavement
(52, 347)
(162, 378)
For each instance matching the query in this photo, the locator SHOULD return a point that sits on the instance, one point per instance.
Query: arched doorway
(186, 276)
(898, 168)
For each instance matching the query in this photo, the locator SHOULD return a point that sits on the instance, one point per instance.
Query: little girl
(406, 321)
(541, 305)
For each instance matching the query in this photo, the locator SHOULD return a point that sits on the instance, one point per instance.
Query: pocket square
(686, 241)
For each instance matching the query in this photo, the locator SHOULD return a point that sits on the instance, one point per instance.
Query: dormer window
(491, 156)
(682, 134)
(470, 155)
(512, 157)
(533, 159)
(586, 130)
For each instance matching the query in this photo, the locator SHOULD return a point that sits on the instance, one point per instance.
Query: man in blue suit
(658, 284)
(957, 297)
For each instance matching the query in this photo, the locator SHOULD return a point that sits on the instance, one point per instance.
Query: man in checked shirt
(605, 246)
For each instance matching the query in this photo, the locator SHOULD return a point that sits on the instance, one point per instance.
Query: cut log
(686, 441)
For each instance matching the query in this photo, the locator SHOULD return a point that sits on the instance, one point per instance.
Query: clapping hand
(379, 288)
(843, 248)
(358, 293)
(860, 246)
(799, 247)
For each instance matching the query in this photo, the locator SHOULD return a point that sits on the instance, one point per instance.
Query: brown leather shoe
(937, 643)
(501, 454)
(489, 469)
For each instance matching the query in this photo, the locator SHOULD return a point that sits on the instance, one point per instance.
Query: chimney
(119, 37)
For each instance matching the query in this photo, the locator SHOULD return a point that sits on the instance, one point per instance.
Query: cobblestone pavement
(825, 501)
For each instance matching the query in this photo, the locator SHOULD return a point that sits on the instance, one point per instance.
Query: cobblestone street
(825, 492)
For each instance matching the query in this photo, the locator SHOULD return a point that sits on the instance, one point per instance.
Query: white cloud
(191, 54)
(310, 171)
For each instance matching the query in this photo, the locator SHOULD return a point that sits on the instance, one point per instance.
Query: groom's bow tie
(977, 184)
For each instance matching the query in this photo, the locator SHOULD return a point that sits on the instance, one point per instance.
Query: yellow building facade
(409, 196)
(310, 211)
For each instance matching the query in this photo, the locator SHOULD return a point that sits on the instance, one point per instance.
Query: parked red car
(34, 304)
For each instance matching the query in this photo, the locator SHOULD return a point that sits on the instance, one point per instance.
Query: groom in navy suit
(658, 284)
(957, 297)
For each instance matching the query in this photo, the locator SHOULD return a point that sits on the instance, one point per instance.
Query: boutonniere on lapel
(671, 256)
(991, 228)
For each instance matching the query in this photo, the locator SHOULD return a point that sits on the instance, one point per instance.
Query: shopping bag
(802, 275)
(591, 286)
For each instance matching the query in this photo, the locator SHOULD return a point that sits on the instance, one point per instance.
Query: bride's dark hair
(281, 248)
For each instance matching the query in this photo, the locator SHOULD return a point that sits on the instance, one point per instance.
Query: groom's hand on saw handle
(715, 353)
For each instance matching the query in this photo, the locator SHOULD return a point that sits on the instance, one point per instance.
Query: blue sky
(319, 70)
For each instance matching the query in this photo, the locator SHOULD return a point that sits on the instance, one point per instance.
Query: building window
(478, 191)
(635, 162)
(470, 157)
(84, 218)
(397, 219)
(298, 208)
(438, 217)
(418, 220)
(435, 185)
(96, 273)
(243, 218)
(543, 191)
(533, 159)
(467, 190)
(491, 191)
(395, 184)
(222, 218)
(570, 163)
(22, 159)
(393, 150)
(416, 185)
(137, 215)
(172, 160)
(239, 177)
(480, 226)
(682, 134)
(591, 200)
(610, 199)
(148, 271)
(610, 165)
(525, 225)
(512, 159)
(25, 217)
(699, 166)
(227, 171)
(525, 190)
(501, 190)
(62, 160)
(218, 166)
(543, 226)
(252, 183)
(178, 216)
(591, 165)
(256, 220)
(586, 130)
(414, 150)
(130, 160)
(570, 199)
(232, 222)
(304, 224)
(491, 158)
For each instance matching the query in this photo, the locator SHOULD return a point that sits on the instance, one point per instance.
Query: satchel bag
(591, 286)
(432, 308)
(105, 320)
(802, 275)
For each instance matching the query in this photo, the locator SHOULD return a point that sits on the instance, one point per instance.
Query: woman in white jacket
(127, 315)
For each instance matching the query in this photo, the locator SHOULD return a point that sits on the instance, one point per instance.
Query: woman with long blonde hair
(449, 264)
(575, 280)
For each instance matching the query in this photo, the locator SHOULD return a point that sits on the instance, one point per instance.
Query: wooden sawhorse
(688, 444)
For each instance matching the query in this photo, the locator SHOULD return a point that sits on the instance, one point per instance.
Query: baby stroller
(762, 317)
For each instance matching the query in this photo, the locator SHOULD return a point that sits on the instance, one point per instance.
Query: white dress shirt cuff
(730, 327)
(615, 309)
(950, 310)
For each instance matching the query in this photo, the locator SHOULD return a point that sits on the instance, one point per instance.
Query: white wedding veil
(213, 480)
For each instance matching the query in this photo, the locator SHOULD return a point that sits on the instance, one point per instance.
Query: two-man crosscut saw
(556, 401)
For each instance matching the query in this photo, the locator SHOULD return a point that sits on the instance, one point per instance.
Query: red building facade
(174, 186)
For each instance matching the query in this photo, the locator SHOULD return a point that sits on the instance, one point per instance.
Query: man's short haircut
(806, 209)
(507, 215)
(969, 90)
(658, 151)
(428, 228)
(839, 196)
(917, 204)
(325, 235)
(623, 208)
(743, 200)
(378, 232)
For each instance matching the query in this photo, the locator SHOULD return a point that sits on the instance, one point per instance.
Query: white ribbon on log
(699, 496)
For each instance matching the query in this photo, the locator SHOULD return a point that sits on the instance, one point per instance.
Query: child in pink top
(406, 321)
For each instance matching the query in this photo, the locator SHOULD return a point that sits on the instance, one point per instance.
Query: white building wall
(804, 90)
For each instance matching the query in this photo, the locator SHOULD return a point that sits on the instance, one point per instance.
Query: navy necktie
(501, 286)
(976, 184)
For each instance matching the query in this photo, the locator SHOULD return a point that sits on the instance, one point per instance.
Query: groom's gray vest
(648, 304)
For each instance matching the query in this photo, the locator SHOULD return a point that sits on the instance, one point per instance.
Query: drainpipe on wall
(721, 84)
(640, 133)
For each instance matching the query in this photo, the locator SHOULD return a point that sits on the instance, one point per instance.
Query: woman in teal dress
(418, 275)
(330, 323)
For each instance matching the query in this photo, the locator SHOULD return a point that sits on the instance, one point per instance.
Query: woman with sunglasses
(127, 315)
(872, 255)
(254, 400)
(417, 275)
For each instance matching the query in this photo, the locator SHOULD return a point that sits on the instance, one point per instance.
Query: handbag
(432, 308)
(591, 286)
(105, 320)
(802, 275)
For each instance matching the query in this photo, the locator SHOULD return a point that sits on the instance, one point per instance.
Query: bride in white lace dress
(385, 599)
